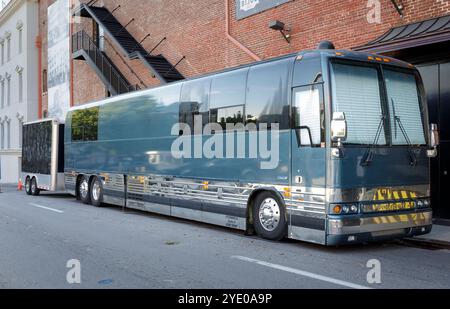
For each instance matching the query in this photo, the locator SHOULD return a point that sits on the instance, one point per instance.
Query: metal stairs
(157, 64)
(84, 48)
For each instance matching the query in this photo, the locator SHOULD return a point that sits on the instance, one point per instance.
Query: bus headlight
(345, 209)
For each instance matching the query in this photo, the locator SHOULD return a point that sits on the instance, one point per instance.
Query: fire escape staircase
(84, 48)
(157, 64)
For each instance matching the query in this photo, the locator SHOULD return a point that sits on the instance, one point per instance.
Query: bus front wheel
(96, 192)
(269, 216)
(83, 190)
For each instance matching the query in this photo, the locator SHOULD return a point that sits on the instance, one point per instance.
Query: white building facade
(19, 75)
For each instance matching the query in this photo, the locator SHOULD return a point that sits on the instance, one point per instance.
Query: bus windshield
(357, 91)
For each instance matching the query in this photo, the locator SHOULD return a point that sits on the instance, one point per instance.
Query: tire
(28, 186)
(96, 192)
(83, 190)
(269, 216)
(34, 190)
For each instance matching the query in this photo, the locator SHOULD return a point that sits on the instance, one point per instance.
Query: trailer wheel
(34, 190)
(83, 190)
(269, 216)
(96, 192)
(28, 186)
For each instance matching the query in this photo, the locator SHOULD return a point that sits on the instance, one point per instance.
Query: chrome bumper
(378, 225)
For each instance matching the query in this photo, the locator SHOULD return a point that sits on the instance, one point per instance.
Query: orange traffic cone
(20, 185)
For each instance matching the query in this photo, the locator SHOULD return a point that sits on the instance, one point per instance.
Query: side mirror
(338, 127)
(434, 135)
(434, 141)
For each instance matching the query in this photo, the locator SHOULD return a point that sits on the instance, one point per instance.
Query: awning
(426, 32)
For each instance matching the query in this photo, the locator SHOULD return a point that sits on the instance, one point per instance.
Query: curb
(426, 243)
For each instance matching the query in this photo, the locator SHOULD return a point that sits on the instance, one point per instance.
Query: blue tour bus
(352, 137)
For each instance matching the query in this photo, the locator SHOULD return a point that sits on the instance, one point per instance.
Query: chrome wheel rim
(33, 186)
(96, 191)
(84, 188)
(27, 185)
(269, 214)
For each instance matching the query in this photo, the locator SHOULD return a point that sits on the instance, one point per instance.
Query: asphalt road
(116, 249)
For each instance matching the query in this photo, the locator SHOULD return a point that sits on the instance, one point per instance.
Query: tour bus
(324, 146)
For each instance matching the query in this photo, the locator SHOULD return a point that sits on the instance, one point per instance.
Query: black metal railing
(81, 41)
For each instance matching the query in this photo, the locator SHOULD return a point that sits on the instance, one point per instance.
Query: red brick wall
(196, 29)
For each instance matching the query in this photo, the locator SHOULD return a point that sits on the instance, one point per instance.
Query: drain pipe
(233, 40)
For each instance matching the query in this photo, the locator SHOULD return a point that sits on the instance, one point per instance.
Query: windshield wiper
(368, 155)
(412, 155)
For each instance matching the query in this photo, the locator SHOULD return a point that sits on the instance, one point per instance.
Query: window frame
(323, 125)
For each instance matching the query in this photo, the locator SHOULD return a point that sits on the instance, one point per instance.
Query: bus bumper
(361, 229)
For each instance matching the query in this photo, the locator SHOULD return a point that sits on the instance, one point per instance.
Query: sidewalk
(439, 237)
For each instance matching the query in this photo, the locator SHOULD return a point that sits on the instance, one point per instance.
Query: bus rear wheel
(28, 186)
(83, 190)
(96, 192)
(34, 190)
(269, 216)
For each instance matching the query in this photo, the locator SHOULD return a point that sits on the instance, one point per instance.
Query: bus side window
(195, 101)
(85, 124)
(308, 115)
(228, 98)
(267, 94)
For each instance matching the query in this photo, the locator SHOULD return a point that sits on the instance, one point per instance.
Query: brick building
(201, 36)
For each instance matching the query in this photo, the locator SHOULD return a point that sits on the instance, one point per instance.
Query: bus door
(308, 158)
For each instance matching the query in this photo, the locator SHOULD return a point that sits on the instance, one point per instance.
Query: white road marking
(47, 208)
(302, 273)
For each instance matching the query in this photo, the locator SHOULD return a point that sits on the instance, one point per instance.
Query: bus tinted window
(195, 101)
(146, 116)
(85, 124)
(307, 70)
(228, 115)
(228, 89)
(267, 97)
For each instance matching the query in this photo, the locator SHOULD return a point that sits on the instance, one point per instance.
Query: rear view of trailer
(43, 156)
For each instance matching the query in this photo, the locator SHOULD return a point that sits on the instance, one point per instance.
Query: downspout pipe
(233, 40)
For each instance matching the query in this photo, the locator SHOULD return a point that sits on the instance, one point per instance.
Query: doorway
(436, 78)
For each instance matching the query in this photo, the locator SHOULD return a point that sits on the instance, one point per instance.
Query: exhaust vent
(326, 45)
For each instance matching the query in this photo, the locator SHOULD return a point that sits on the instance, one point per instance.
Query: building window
(20, 76)
(2, 139)
(8, 136)
(2, 47)
(20, 132)
(44, 81)
(2, 92)
(8, 90)
(20, 40)
(8, 48)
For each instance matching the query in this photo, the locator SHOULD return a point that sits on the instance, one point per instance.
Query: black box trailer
(43, 156)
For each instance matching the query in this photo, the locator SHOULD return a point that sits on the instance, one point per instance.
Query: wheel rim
(33, 186)
(27, 185)
(96, 190)
(269, 214)
(84, 188)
